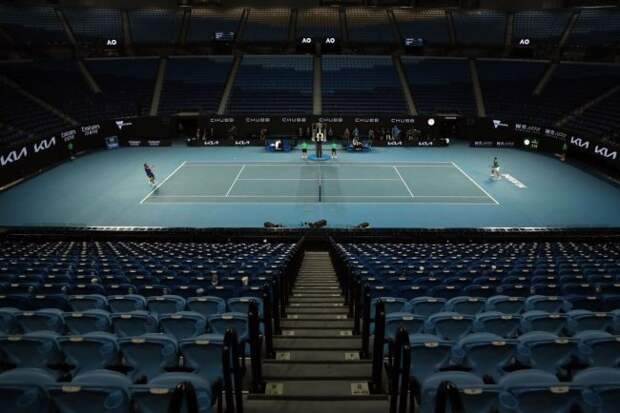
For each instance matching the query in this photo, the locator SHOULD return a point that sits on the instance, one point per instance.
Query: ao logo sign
(112, 42)
(306, 40)
(330, 40)
(524, 42)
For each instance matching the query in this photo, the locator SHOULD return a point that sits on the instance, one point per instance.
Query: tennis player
(148, 169)
(304, 150)
(334, 150)
(495, 169)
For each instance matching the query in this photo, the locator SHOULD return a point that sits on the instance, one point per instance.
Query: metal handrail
(255, 347)
(183, 391)
(399, 383)
(268, 320)
(365, 353)
(379, 341)
(232, 373)
(448, 392)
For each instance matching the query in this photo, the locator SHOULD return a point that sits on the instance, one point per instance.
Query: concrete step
(316, 356)
(318, 324)
(282, 343)
(318, 390)
(318, 310)
(283, 404)
(316, 317)
(311, 300)
(360, 370)
(317, 332)
(316, 305)
(326, 290)
(317, 284)
(316, 295)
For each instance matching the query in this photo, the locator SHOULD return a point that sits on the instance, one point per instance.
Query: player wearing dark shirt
(495, 169)
(148, 169)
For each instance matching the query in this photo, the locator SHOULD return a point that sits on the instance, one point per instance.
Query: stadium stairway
(317, 365)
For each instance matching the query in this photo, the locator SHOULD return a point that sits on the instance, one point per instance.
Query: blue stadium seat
(504, 325)
(38, 350)
(90, 351)
(135, 323)
(449, 325)
(535, 390)
(184, 324)
(206, 305)
(95, 391)
(149, 355)
(80, 303)
(219, 323)
(458, 378)
(50, 319)
(582, 320)
(87, 321)
(505, 304)
(485, 354)
(24, 390)
(165, 304)
(156, 396)
(543, 321)
(598, 349)
(413, 323)
(602, 392)
(429, 354)
(126, 303)
(465, 305)
(7, 320)
(425, 306)
(545, 351)
(203, 355)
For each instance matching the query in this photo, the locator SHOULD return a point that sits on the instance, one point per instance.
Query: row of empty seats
(36, 26)
(361, 85)
(273, 84)
(284, 84)
(104, 352)
(506, 353)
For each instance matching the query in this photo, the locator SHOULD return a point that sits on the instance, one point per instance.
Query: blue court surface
(296, 182)
(244, 187)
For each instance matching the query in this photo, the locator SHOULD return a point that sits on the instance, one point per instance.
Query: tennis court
(309, 182)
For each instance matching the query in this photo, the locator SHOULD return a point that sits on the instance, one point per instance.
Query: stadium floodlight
(431, 121)
(526, 142)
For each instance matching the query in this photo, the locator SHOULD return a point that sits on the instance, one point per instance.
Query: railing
(350, 287)
(269, 319)
(255, 347)
(447, 392)
(379, 342)
(400, 369)
(284, 288)
(232, 373)
(184, 391)
(364, 306)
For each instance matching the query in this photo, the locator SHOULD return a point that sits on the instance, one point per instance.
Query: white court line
(474, 182)
(235, 181)
(411, 203)
(319, 179)
(267, 163)
(314, 196)
(403, 181)
(163, 182)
